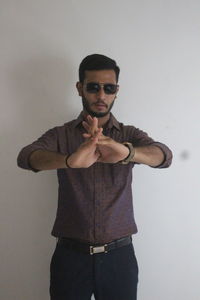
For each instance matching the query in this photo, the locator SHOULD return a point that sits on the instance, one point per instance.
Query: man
(94, 156)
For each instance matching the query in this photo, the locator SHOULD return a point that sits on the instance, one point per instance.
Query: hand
(87, 154)
(91, 126)
(110, 150)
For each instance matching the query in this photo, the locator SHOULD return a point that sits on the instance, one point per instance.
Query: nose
(101, 94)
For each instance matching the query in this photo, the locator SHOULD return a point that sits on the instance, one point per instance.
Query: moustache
(100, 102)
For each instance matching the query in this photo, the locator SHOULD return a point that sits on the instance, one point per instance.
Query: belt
(87, 248)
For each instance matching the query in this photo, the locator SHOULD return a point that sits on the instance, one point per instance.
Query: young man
(94, 156)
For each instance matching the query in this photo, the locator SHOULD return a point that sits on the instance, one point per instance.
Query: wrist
(130, 155)
(126, 152)
(67, 163)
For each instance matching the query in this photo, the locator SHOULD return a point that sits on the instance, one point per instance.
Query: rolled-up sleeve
(141, 138)
(48, 141)
(167, 155)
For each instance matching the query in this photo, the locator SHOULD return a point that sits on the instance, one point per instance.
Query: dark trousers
(109, 276)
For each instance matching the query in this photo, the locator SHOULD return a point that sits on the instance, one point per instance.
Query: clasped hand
(97, 147)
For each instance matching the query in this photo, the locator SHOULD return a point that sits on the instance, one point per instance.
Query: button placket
(97, 202)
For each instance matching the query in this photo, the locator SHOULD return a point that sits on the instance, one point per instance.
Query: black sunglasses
(94, 87)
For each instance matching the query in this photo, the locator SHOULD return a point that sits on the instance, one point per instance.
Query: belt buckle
(98, 249)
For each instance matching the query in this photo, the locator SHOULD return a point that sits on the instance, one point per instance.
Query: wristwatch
(131, 154)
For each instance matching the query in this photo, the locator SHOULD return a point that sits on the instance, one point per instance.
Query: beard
(87, 107)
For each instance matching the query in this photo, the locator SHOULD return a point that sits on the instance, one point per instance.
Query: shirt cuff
(23, 159)
(167, 155)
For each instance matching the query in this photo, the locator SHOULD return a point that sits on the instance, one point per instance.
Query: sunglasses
(94, 88)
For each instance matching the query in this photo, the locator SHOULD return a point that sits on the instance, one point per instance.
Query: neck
(101, 121)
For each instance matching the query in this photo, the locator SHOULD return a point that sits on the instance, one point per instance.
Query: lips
(100, 105)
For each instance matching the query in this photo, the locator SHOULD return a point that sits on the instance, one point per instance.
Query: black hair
(96, 62)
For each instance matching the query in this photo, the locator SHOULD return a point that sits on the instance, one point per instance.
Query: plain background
(157, 44)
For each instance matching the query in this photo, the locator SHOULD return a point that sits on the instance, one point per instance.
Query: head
(98, 78)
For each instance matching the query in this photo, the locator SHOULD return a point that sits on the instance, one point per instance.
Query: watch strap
(130, 155)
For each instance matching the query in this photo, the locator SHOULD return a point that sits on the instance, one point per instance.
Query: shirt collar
(112, 122)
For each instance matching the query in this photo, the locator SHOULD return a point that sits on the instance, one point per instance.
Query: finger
(93, 139)
(93, 122)
(87, 135)
(86, 126)
(90, 119)
(97, 156)
(98, 132)
(96, 136)
(104, 140)
(102, 136)
(91, 126)
(104, 144)
(100, 159)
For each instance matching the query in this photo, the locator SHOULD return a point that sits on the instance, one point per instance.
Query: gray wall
(157, 46)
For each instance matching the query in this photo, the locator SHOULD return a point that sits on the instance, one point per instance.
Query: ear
(117, 92)
(79, 87)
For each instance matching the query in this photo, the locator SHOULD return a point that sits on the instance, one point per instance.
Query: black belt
(87, 248)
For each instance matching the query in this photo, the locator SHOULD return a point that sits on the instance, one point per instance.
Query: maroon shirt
(95, 203)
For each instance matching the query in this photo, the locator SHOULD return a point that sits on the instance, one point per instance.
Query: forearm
(148, 155)
(47, 160)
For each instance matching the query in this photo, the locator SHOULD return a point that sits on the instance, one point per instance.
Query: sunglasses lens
(92, 87)
(110, 88)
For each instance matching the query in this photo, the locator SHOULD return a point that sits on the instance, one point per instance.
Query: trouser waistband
(94, 249)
